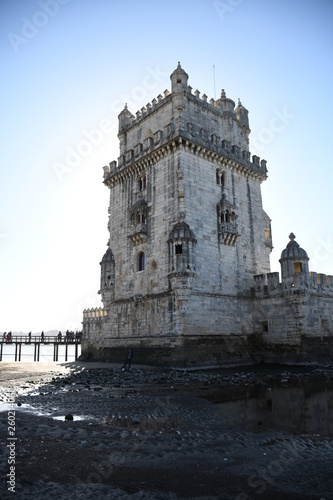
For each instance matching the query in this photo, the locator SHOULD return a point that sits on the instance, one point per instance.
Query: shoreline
(156, 433)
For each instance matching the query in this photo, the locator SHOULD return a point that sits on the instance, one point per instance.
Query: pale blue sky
(68, 67)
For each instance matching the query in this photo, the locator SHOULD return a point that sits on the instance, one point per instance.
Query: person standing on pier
(42, 336)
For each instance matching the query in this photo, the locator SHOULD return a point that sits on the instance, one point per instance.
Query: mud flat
(262, 432)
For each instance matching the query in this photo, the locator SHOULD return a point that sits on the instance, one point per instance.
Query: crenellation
(273, 281)
(321, 281)
(260, 280)
(256, 160)
(329, 279)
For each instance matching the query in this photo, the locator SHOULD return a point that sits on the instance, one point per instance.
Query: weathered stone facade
(187, 265)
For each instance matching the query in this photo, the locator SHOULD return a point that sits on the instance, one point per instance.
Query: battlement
(197, 139)
(161, 138)
(266, 285)
(93, 314)
(222, 107)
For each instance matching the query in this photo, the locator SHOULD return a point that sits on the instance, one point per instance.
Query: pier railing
(37, 341)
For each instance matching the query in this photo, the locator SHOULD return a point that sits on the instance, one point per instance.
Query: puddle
(299, 410)
(5, 407)
(75, 418)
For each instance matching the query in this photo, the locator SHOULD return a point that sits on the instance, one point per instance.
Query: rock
(69, 416)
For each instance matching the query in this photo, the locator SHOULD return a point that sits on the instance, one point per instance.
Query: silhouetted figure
(42, 336)
(59, 336)
(128, 359)
(29, 336)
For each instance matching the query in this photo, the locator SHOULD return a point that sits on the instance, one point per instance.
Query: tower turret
(125, 118)
(107, 278)
(242, 114)
(179, 79)
(294, 264)
(226, 105)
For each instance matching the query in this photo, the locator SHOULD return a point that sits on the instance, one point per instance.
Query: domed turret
(125, 117)
(179, 79)
(107, 277)
(294, 264)
(181, 248)
(242, 114)
(226, 105)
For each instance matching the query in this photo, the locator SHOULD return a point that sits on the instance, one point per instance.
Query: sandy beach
(151, 433)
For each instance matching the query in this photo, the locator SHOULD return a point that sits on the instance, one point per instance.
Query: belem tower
(186, 279)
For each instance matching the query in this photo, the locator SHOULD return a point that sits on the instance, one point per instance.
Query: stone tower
(187, 228)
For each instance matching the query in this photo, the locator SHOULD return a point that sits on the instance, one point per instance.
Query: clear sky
(69, 66)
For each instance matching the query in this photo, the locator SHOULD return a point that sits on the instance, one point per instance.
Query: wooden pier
(37, 341)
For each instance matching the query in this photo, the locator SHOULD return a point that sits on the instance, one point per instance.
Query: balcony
(138, 234)
(228, 232)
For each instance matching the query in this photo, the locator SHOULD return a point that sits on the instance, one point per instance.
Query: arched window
(141, 261)
(223, 179)
(142, 182)
(218, 179)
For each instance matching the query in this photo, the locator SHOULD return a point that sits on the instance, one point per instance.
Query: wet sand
(156, 434)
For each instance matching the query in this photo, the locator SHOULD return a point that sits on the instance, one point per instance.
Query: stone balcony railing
(138, 234)
(229, 233)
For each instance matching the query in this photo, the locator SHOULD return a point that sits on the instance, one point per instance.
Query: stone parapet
(136, 160)
(93, 314)
(266, 285)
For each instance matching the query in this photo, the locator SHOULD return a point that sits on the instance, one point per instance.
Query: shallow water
(45, 355)
(296, 410)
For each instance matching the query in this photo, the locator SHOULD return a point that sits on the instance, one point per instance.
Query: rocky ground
(161, 434)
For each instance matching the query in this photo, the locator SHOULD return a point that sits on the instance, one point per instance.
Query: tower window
(178, 249)
(179, 80)
(142, 182)
(222, 179)
(298, 267)
(141, 261)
